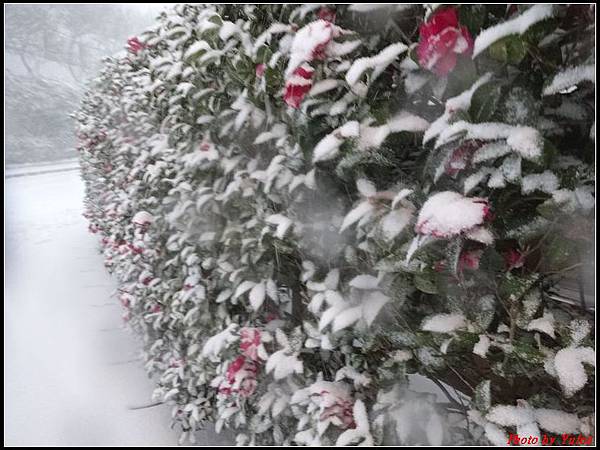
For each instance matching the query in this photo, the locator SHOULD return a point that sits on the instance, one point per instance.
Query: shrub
(309, 209)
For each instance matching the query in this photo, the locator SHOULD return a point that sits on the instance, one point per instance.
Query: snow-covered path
(69, 366)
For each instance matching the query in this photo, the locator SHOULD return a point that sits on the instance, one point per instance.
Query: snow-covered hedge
(308, 208)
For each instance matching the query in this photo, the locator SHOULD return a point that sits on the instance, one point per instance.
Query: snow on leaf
(283, 224)
(480, 234)
(332, 279)
(444, 323)
(364, 282)
(365, 187)
(337, 49)
(307, 41)
(400, 196)
(580, 329)
(378, 62)
(473, 180)
(329, 315)
(448, 213)
(271, 289)
(508, 415)
(557, 422)
(244, 287)
(373, 137)
(364, 209)
(172, 393)
(482, 346)
(545, 324)
(545, 182)
(217, 343)
(529, 429)
(526, 141)
(257, 296)
(461, 102)
(495, 435)
(359, 379)
(323, 86)
(568, 364)
(372, 304)
(277, 131)
(394, 222)
(143, 218)
(570, 77)
(196, 48)
(518, 25)
(490, 151)
(346, 318)
(328, 147)
(415, 244)
(283, 365)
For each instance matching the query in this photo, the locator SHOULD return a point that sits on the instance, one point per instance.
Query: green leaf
(549, 153)
(484, 311)
(519, 107)
(491, 261)
(484, 102)
(473, 17)
(514, 287)
(462, 77)
(216, 20)
(263, 54)
(426, 282)
(558, 253)
(509, 50)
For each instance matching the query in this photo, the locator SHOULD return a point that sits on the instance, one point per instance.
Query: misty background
(50, 53)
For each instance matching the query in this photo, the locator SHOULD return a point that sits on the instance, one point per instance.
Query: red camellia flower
(298, 85)
(441, 40)
(326, 14)
(240, 378)
(260, 70)
(249, 342)
(513, 259)
(134, 45)
(469, 259)
(461, 157)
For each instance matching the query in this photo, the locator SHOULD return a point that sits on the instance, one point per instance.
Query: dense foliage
(311, 210)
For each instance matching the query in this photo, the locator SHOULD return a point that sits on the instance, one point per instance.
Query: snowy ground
(70, 369)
